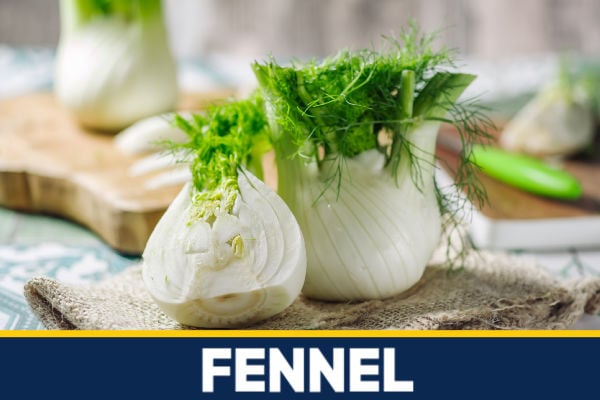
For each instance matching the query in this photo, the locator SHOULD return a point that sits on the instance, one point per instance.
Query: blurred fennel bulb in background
(114, 65)
(558, 121)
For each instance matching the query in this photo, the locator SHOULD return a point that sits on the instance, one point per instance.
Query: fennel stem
(223, 140)
(78, 13)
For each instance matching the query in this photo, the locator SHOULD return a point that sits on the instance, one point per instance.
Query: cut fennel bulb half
(231, 269)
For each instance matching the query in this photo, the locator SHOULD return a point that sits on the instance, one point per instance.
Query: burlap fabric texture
(492, 291)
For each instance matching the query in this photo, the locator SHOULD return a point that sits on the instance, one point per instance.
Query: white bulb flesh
(241, 268)
(110, 73)
(149, 134)
(374, 239)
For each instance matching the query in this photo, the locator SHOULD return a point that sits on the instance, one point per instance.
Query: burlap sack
(492, 291)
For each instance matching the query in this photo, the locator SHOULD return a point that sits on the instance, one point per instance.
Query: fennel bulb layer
(230, 270)
(112, 69)
(373, 238)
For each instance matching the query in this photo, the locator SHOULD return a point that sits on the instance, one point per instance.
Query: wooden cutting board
(49, 164)
(514, 219)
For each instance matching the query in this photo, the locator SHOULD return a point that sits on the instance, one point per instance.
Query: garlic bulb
(229, 269)
(114, 65)
(373, 239)
(558, 121)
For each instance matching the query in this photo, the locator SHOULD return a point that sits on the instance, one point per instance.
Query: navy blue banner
(300, 368)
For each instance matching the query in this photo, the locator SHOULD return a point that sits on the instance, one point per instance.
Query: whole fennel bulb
(113, 64)
(354, 137)
(373, 239)
(228, 251)
(557, 121)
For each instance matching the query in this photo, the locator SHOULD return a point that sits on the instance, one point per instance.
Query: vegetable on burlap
(492, 291)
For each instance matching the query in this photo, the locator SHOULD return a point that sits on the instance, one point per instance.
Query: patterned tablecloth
(39, 245)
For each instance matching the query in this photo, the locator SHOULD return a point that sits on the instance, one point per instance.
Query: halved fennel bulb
(373, 239)
(231, 270)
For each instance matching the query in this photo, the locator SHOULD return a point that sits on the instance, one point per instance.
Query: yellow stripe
(303, 334)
